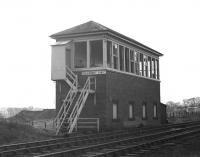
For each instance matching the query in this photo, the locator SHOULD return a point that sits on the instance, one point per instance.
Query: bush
(12, 132)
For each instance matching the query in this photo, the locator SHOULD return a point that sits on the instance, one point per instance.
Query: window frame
(122, 60)
(144, 111)
(82, 41)
(132, 111)
(139, 66)
(155, 111)
(115, 119)
(115, 56)
(110, 55)
(145, 65)
(132, 61)
(127, 59)
(90, 41)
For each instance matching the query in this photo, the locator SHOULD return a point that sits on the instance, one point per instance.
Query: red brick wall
(122, 88)
(62, 89)
(92, 110)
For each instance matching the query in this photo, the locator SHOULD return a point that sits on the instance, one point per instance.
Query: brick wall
(120, 88)
(124, 88)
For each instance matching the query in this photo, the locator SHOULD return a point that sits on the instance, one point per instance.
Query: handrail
(87, 121)
(72, 76)
(78, 106)
(71, 95)
(72, 80)
(70, 71)
(62, 105)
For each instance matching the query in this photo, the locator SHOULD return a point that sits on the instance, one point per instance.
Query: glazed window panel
(149, 67)
(132, 61)
(136, 60)
(115, 110)
(153, 68)
(127, 59)
(144, 111)
(157, 69)
(131, 111)
(141, 65)
(145, 66)
(121, 57)
(155, 111)
(96, 53)
(115, 56)
(109, 54)
(80, 56)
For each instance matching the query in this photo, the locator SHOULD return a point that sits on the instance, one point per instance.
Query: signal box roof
(92, 27)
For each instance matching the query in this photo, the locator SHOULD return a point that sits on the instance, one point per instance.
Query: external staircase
(69, 112)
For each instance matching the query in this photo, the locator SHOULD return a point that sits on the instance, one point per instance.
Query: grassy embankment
(13, 133)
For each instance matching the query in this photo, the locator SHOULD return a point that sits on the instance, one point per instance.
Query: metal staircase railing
(72, 81)
(64, 110)
(70, 109)
(72, 78)
(72, 121)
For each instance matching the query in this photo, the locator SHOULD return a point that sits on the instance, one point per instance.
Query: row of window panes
(127, 60)
(130, 60)
(131, 111)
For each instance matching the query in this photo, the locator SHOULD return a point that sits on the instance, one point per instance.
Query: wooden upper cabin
(92, 46)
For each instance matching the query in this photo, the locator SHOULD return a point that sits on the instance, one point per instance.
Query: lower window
(115, 110)
(155, 111)
(131, 111)
(144, 111)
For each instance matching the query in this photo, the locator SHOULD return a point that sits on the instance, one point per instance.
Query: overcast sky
(171, 27)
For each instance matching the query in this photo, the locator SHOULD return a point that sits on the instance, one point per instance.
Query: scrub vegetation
(13, 133)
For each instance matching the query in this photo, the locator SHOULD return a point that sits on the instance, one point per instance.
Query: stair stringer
(72, 121)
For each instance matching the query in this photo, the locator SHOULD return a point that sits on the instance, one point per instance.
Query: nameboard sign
(101, 72)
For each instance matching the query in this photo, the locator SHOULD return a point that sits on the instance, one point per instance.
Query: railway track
(102, 144)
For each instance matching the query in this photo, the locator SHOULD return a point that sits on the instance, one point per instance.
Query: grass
(191, 150)
(13, 133)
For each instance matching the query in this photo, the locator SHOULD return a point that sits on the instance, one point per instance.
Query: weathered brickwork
(124, 89)
(121, 89)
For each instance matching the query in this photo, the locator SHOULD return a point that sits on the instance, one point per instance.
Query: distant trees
(11, 111)
(192, 102)
(182, 107)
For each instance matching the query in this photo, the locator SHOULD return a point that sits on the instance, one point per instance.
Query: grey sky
(171, 27)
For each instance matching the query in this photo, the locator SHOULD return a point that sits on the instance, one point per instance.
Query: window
(131, 111)
(136, 60)
(121, 57)
(145, 64)
(149, 67)
(141, 65)
(144, 111)
(109, 54)
(127, 59)
(115, 56)
(132, 63)
(157, 69)
(80, 58)
(115, 110)
(153, 68)
(96, 53)
(155, 111)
